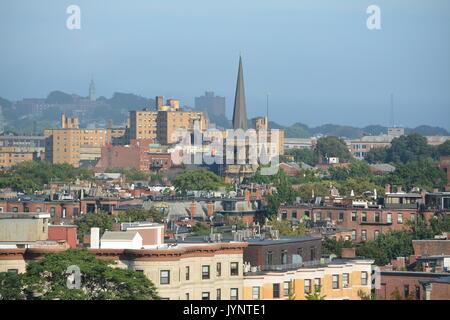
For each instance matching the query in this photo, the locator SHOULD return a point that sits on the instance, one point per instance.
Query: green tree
(46, 279)
(316, 295)
(141, 214)
(333, 246)
(443, 149)
(332, 146)
(284, 193)
(198, 180)
(29, 176)
(200, 229)
(288, 229)
(303, 155)
(365, 296)
(11, 286)
(101, 220)
(320, 189)
(423, 174)
(392, 244)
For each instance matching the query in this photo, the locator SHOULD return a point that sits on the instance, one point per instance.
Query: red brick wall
(431, 247)
(370, 226)
(390, 282)
(68, 233)
(440, 291)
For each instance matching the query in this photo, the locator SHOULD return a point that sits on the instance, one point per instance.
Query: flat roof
(118, 235)
(24, 215)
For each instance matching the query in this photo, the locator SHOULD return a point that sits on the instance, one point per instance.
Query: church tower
(92, 91)
(240, 111)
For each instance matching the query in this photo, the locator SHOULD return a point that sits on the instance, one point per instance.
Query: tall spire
(240, 111)
(92, 91)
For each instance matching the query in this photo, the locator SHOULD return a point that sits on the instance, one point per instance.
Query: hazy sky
(316, 57)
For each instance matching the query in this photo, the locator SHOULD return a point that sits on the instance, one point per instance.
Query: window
(205, 295)
(219, 269)
(15, 271)
(234, 294)
(188, 269)
(377, 217)
(307, 213)
(164, 277)
(313, 253)
(219, 294)
(335, 281)
(389, 218)
(269, 257)
(256, 292)
(187, 296)
(294, 214)
(205, 272)
(318, 216)
(406, 290)
(283, 215)
(376, 234)
(234, 268)
(400, 218)
(300, 252)
(284, 257)
(341, 216)
(417, 293)
(286, 288)
(353, 234)
(317, 284)
(353, 216)
(52, 212)
(363, 235)
(75, 212)
(330, 215)
(412, 217)
(364, 217)
(364, 278)
(139, 270)
(15, 209)
(276, 290)
(345, 279)
(307, 286)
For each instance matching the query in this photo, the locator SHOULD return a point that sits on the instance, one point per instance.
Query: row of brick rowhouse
(194, 269)
(215, 271)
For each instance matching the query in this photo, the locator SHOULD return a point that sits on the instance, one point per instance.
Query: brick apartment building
(410, 285)
(136, 155)
(71, 144)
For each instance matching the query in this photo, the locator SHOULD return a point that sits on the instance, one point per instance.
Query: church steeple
(240, 111)
(92, 91)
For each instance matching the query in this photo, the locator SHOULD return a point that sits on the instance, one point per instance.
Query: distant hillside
(300, 130)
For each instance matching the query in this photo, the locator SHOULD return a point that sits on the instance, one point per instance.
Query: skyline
(340, 73)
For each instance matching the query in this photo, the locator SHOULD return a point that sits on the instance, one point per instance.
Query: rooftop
(118, 235)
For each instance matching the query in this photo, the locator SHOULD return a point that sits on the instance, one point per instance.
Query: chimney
(387, 188)
(159, 101)
(247, 195)
(193, 209)
(348, 252)
(95, 238)
(110, 124)
(63, 121)
(210, 207)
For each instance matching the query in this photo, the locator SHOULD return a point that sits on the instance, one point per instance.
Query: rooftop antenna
(267, 107)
